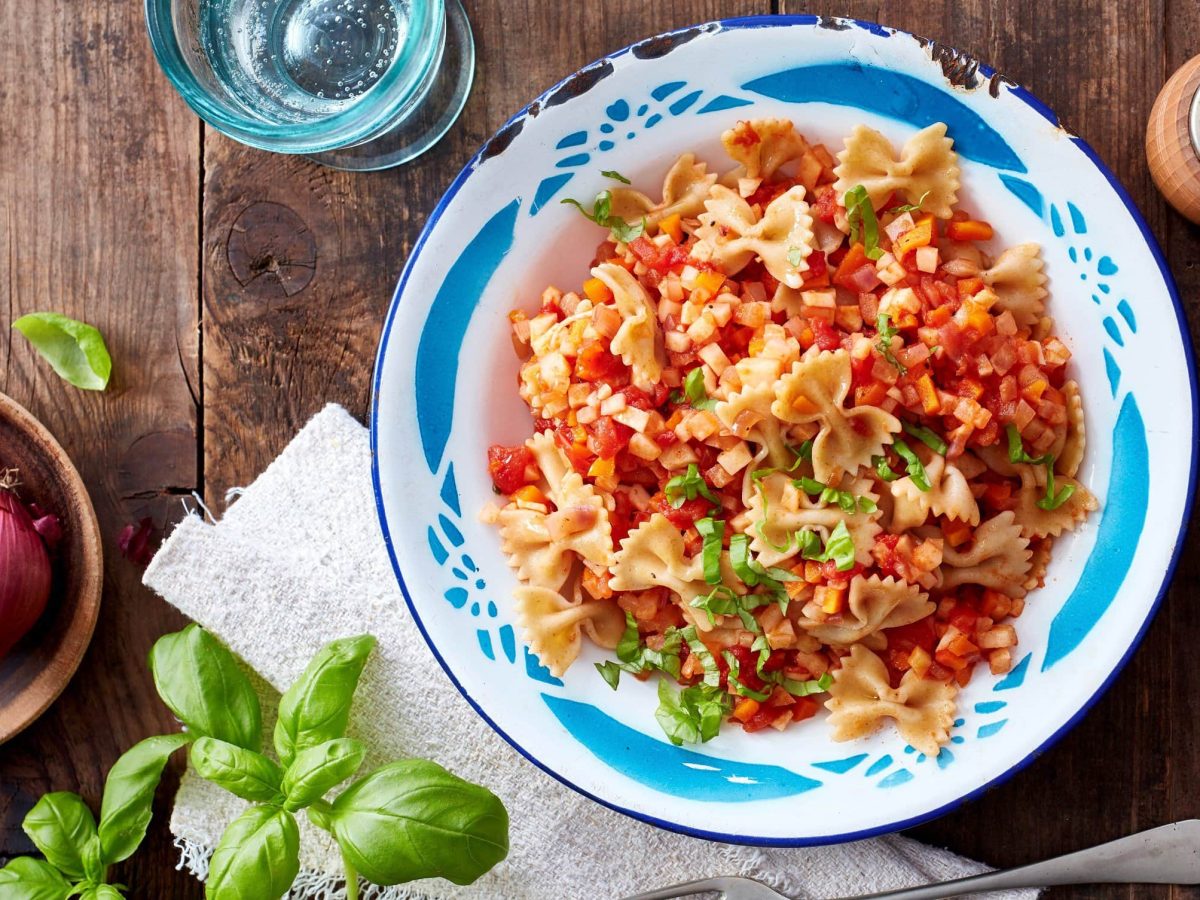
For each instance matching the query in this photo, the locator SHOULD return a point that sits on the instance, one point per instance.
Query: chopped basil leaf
(1052, 500)
(845, 500)
(804, 688)
(713, 532)
(804, 451)
(795, 256)
(763, 648)
(840, 548)
(1016, 449)
(712, 674)
(631, 640)
(676, 397)
(735, 685)
(883, 325)
(616, 176)
(751, 572)
(689, 486)
(926, 436)
(1017, 454)
(610, 672)
(692, 715)
(720, 601)
(601, 214)
(882, 469)
(694, 390)
(909, 207)
(915, 470)
(810, 544)
(635, 657)
(860, 213)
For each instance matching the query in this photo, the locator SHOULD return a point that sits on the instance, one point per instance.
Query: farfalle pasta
(803, 437)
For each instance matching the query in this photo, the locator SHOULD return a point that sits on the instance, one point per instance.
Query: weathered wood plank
(99, 167)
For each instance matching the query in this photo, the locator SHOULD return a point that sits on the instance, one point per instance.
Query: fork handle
(1169, 854)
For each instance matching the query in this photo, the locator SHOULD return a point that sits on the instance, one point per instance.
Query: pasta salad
(800, 439)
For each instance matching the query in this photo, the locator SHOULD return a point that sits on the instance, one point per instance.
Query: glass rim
(375, 112)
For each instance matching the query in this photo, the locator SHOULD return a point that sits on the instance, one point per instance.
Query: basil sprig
(689, 486)
(1016, 454)
(909, 207)
(692, 715)
(883, 325)
(860, 215)
(637, 658)
(601, 214)
(405, 821)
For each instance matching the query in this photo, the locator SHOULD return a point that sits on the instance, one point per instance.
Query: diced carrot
(956, 532)
(830, 597)
(995, 605)
(812, 572)
(854, 260)
(530, 493)
(969, 287)
(756, 346)
(961, 646)
(804, 405)
(920, 235)
(970, 230)
(938, 316)
(928, 394)
(950, 660)
(998, 494)
(673, 226)
(602, 467)
(1034, 390)
(597, 291)
(710, 281)
(969, 387)
(745, 709)
(872, 394)
(919, 661)
(596, 585)
(807, 338)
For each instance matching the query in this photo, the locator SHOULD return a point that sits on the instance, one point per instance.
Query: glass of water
(355, 84)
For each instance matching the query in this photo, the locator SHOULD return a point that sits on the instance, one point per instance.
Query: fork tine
(687, 888)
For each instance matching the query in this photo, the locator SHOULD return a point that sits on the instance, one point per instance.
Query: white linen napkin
(297, 561)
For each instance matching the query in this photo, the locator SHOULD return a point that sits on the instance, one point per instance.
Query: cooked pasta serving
(800, 438)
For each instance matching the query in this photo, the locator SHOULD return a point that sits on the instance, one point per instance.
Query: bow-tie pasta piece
(814, 392)
(553, 625)
(746, 412)
(731, 235)
(1018, 282)
(762, 147)
(1069, 456)
(862, 697)
(949, 494)
(873, 604)
(684, 191)
(778, 509)
(653, 555)
(638, 341)
(926, 168)
(1038, 522)
(998, 557)
(1039, 563)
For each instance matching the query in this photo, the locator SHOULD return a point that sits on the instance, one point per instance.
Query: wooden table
(117, 206)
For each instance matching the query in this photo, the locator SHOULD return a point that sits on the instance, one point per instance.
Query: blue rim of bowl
(1025, 95)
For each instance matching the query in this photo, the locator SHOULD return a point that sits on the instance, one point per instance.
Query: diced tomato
(511, 467)
(609, 437)
(596, 363)
(918, 634)
(969, 287)
(660, 259)
(685, 516)
(826, 206)
(635, 396)
(827, 338)
(817, 265)
(572, 439)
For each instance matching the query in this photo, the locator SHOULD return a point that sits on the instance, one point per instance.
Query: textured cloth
(299, 560)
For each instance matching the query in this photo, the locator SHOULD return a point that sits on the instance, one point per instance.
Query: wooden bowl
(37, 669)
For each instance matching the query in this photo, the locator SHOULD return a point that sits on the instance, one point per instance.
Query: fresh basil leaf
(412, 819)
(243, 772)
(27, 878)
(601, 208)
(631, 640)
(762, 647)
(840, 547)
(713, 532)
(805, 688)
(587, 214)
(860, 214)
(915, 470)
(1052, 500)
(666, 658)
(720, 601)
(616, 176)
(676, 397)
(692, 715)
(883, 325)
(316, 771)
(1016, 449)
(624, 231)
(695, 391)
(202, 683)
(689, 486)
(810, 544)
(101, 892)
(257, 856)
(60, 826)
(926, 436)
(610, 672)
(882, 469)
(75, 350)
(129, 789)
(804, 452)
(316, 708)
(909, 207)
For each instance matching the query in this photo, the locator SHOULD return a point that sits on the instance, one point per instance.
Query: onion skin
(25, 574)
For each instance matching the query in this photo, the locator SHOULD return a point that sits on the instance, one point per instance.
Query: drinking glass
(354, 84)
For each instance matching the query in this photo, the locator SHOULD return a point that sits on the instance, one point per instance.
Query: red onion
(24, 571)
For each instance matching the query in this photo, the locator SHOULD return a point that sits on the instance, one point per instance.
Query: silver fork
(1166, 855)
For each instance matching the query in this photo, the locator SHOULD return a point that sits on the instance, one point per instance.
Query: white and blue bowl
(445, 388)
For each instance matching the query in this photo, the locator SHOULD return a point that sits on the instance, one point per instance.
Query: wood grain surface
(117, 206)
